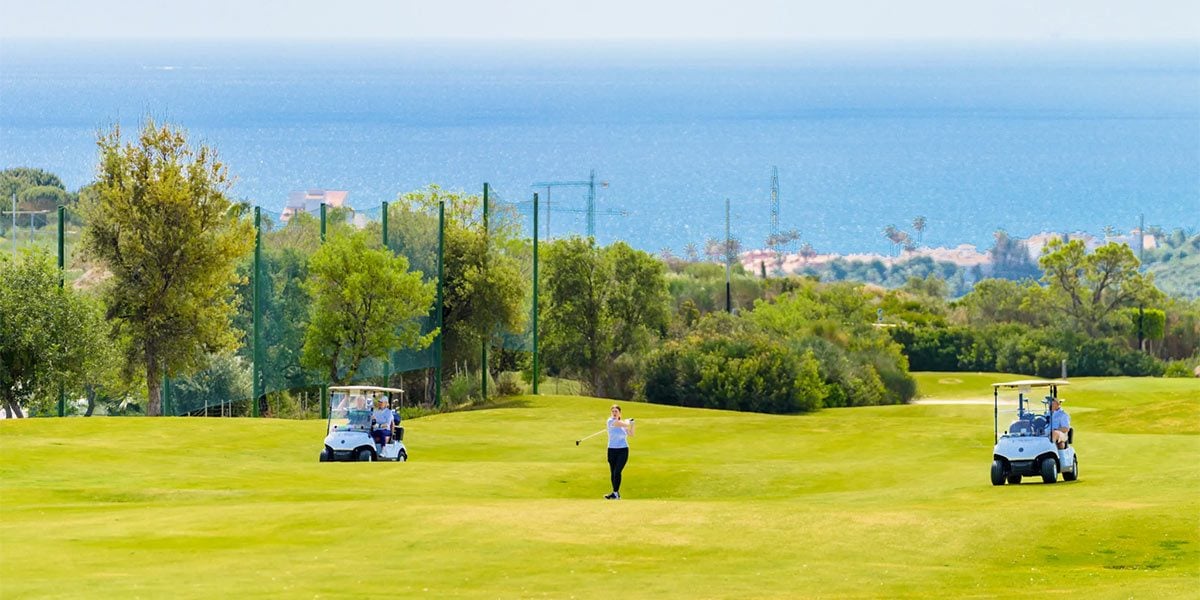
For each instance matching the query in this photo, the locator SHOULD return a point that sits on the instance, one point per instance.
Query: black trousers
(617, 457)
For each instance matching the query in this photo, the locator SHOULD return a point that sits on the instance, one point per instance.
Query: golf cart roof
(362, 388)
(1031, 383)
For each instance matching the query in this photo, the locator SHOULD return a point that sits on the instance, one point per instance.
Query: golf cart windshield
(350, 407)
(1031, 412)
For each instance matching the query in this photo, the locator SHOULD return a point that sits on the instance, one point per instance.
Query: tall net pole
(62, 211)
(257, 331)
(387, 363)
(535, 294)
(483, 368)
(437, 380)
(325, 387)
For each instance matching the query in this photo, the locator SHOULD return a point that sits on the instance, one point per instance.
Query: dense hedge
(729, 365)
(1015, 348)
(812, 347)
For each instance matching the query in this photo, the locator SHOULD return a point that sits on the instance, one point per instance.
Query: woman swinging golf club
(618, 449)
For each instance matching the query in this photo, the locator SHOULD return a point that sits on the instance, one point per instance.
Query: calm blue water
(1027, 139)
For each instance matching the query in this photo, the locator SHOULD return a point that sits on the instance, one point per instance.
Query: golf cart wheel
(1074, 474)
(325, 456)
(1014, 479)
(364, 455)
(1049, 470)
(997, 472)
(403, 456)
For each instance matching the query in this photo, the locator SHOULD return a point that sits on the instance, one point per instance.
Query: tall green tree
(17, 179)
(601, 304)
(365, 301)
(1090, 289)
(49, 335)
(162, 222)
(486, 288)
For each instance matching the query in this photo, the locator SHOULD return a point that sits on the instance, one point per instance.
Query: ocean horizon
(974, 137)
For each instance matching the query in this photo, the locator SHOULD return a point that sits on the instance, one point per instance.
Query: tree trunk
(91, 399)
(14, 409)
(153, 387)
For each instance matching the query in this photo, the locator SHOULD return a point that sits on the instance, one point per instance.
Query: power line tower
(774, 201)
(590, 183)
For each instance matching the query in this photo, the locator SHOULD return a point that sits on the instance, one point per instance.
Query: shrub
(1180, 368)
(464, 388)
(728, 365)
(509, 384)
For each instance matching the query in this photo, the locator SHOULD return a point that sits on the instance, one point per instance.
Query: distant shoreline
(964, 255)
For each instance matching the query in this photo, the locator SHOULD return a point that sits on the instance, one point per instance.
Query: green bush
(464, 388)
(728, 365)
(1015, 348)
(1180, 368)
(509, 384)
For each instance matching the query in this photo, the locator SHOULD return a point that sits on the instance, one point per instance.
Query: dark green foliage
(283, 303)
(726, 363)
(1016, 348)
(48, 334)
(601, 304)
(226, 379)
(485, 291)
(814, 345)
(15, 180)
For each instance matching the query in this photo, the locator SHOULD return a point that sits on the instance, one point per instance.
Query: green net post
(387, 363)
(535, 294)
(483, 362)
(323, 220)
(62, 211)
(441, 277)
(324, 388)
(258, 383)
(166, 393)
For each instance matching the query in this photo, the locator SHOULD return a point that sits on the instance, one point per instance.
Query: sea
(1023, 137)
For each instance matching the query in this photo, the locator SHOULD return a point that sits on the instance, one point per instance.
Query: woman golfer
(618, 449)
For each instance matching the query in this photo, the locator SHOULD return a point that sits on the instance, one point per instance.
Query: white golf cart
(350, 426)
(1025, 448)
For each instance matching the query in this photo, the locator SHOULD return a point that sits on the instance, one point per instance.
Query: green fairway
(500, 503)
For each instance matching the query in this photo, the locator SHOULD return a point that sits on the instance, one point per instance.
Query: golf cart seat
(1070, 436)
(1039, 425)
(398, 433)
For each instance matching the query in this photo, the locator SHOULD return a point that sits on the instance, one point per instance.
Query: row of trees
(183, 292)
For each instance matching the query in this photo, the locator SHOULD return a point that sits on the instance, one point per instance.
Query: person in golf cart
(383, 420)
(358, 410)
(1060, 422)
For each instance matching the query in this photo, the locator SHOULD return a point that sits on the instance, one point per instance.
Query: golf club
(594, 434)
(589, 436)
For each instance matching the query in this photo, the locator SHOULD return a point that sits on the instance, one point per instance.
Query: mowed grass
(500, 503)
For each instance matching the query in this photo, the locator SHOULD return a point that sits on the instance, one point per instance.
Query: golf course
(872, 502)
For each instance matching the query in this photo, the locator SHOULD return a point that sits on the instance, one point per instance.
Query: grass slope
(864, 502)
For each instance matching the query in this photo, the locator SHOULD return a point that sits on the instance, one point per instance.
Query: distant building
(309, 201)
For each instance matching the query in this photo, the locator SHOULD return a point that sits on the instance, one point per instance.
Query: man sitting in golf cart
(1060, 422)
(382, 422)
(358, 411)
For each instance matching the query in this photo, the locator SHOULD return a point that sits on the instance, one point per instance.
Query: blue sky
(796, 20)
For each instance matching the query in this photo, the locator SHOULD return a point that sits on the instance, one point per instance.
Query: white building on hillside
(309, 201)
